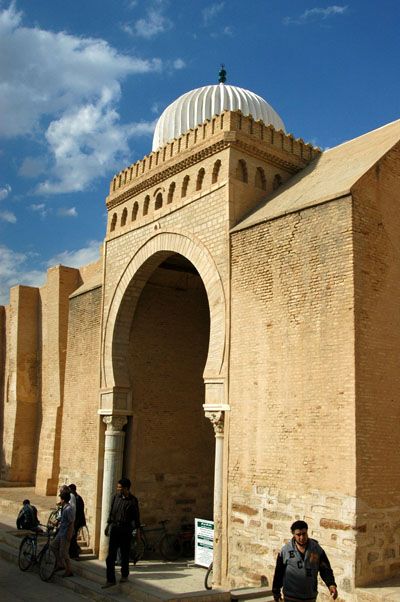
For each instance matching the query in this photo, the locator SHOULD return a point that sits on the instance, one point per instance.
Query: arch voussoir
(127, 292)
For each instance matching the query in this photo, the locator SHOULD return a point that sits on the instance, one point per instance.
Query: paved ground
(23, 587)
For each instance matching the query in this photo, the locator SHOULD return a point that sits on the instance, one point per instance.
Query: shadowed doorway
(169, 451)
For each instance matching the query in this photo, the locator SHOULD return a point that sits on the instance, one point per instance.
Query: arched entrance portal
(116, 402)
(169, 444)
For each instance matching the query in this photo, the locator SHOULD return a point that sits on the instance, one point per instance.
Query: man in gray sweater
(297, 568)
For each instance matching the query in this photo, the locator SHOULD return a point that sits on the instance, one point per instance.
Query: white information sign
(203, 542)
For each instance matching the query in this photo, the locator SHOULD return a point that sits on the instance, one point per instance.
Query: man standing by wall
(123, 518)
(297, 568)
(80, 521)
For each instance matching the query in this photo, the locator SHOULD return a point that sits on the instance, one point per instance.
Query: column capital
(115, 423)
(217, 419)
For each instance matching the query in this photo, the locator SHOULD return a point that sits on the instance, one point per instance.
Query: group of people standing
(71, 519)
(298, 564)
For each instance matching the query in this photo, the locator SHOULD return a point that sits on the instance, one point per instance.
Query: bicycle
(208, 579)
(168, 544)
(28, 554)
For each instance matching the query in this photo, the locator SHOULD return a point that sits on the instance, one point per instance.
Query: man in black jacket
(297, 568)
(123, 518)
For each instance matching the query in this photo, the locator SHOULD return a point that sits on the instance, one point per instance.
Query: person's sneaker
(124, 579)
(108, 584)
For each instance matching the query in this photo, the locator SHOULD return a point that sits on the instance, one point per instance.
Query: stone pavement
(21, 588)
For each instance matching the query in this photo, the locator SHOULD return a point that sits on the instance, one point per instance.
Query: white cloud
(212, 11)
(179, 64)
(4, 192)
(85, 143)
(13, 270)
(314, 14)
(8, 216)
(41, 209)
(67, 212)
(79, 257)
(152, 25)
(14, 266)
(67, 88)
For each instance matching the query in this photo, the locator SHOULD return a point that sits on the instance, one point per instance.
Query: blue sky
(82, 83)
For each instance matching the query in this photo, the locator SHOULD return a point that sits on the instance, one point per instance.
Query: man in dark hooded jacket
(297, 568)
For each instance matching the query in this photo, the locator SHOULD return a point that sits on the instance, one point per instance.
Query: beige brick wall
(202, 216)
(292, 422)
(80, 458)
(21, 386)
(169, 443)
(377, 286)
(61, 282)
(3, 342)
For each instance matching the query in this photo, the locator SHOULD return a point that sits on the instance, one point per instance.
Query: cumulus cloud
(67, 212)
(8, 216)
(212, 11)
(4, 192)
(153, 24)
(315, 14)
(79, 257)
(40, 208)
(14, 270)
(15, 266)
(66, 88)
(179, 64)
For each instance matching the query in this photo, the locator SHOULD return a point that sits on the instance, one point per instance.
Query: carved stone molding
(217, 420)
(116, 199)
(115, 423)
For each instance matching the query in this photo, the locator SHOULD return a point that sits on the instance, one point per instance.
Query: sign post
(203, 542)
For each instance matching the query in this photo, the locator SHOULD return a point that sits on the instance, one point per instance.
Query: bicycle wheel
(137, 550)
(47, 563)
(208, 579)
(170, 547)
(26, 555)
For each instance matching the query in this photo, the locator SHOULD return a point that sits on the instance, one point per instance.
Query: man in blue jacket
(297, 568)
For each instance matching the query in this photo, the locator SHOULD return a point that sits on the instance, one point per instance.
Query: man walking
(62, 540)
(123, 518)
(297, 568)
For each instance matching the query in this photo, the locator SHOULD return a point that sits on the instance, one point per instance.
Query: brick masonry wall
(202, 216)
(292, 423)
(170, 444)
(79, 453)
(61, 282)
(3, 342)
(21, 386)
(377, 285)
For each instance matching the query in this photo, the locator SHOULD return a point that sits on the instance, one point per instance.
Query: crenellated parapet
(229, 147)
(265, 137)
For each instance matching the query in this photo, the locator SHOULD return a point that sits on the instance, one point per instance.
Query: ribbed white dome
(194, 107)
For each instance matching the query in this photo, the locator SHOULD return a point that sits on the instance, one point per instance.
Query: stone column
(113, 458)
(217, 420)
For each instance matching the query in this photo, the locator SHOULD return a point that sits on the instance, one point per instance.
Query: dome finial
(222, 75)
